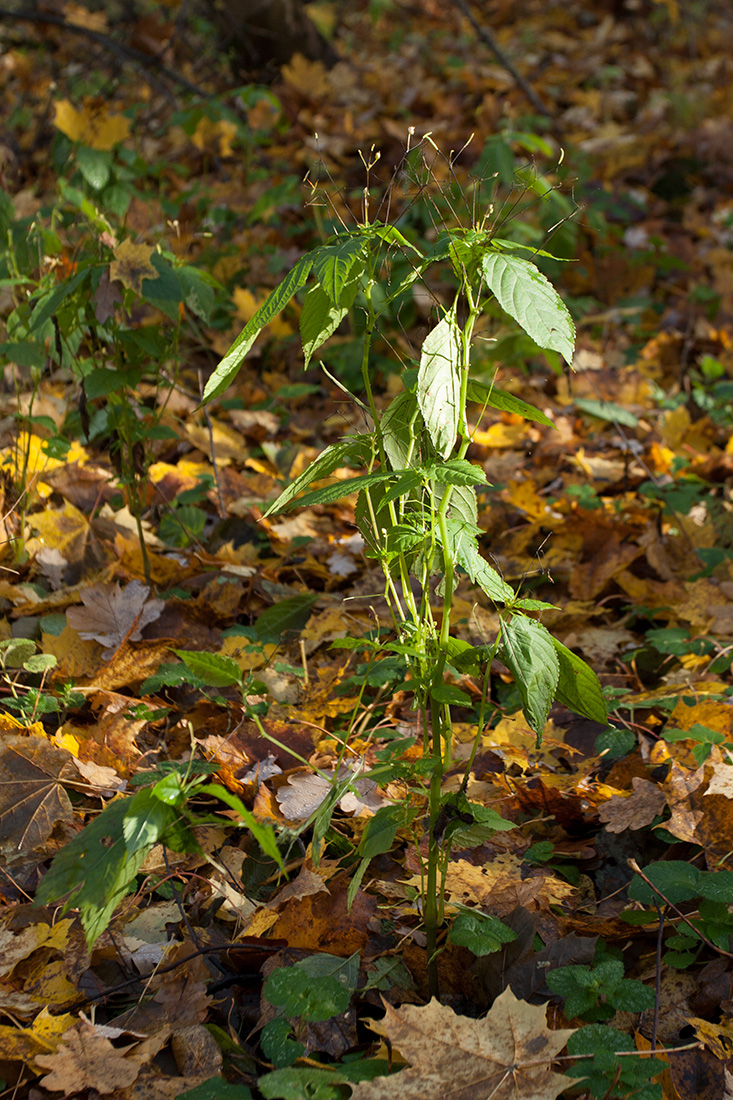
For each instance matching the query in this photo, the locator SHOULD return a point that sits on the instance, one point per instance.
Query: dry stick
(635, 867)
(488, 40)
(658, 972)
(128, 52)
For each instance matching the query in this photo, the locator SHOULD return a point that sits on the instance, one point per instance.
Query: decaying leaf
(112, 615)
(505, 1056)
(32, 796)
(634, 812)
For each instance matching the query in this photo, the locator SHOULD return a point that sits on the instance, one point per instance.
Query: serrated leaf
(481, 573)
(527, 296)
(286, 617)
(336, 455)
(320, 318)
(507, 1054)
(456, 471)
(481, 933)
(94, 871)
(401, 425)
(486, 394)
(676, 880)
(529, 653)
(214, 669)
(438, 383)
(333, 263)
(578, 687)
(341, 489)
(273, 304)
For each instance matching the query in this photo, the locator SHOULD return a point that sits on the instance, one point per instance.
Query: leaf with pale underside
(505, 1056)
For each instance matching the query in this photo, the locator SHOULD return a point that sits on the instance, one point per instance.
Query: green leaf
(340, 489)
(346, 450)
(213, 669)
(578, 687)
(456, 471)
(95, 166)
(676, 879)
(381, 831)
(281, 295)
(449, 693)
(278, 1043)
(286, 617)
(609, 1062)
(299, 993)
(717, 886)
(438, 383)
(632, 996)
(607, 410)
(97, 869)
(302, 1083)
(481, 933)
(320, 318)
(527, 296)
(529, 653)
(486, 393)
(401, 425)
(333, 264)
(45, 306)
(263, 834)
(481, 573)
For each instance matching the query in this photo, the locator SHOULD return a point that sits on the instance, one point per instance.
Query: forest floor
(143, 225)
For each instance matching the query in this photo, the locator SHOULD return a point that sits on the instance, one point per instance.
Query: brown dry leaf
(23, 1044)
(503, 884)
(722, 779)
(506, 1055)
(112, 615)
(622, 812)
(679, 786)
(32, 797)
(131, 265)
(93, 126)
(85, 1059)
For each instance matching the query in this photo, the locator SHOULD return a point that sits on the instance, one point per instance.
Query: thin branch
(129, 53)
(488, 39)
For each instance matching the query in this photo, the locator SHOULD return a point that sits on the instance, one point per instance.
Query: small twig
(488, 40)
(658, 973)
(128, 52)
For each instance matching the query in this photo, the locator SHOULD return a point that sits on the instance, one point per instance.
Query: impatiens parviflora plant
(416, 503)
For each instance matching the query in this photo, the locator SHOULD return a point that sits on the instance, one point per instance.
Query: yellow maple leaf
(132, 264)
(218, 135)
(93, 126)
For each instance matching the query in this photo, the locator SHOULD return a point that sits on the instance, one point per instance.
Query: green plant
(98, 868)
(80, 288)
(610, 1065)
(417, 498)
(596, 993)
(673, 883)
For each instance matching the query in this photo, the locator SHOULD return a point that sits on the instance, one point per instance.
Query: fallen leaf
(633, 812)
(506, 1055)
(32, 796)
(93, 126)
(131, 265)
(112, 615)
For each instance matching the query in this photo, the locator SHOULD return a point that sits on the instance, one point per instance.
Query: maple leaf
(112, 615)
(506, 1055)
(32, 798)
(93, 126)
(131, 265)
(86, 1059)
(634, 812)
